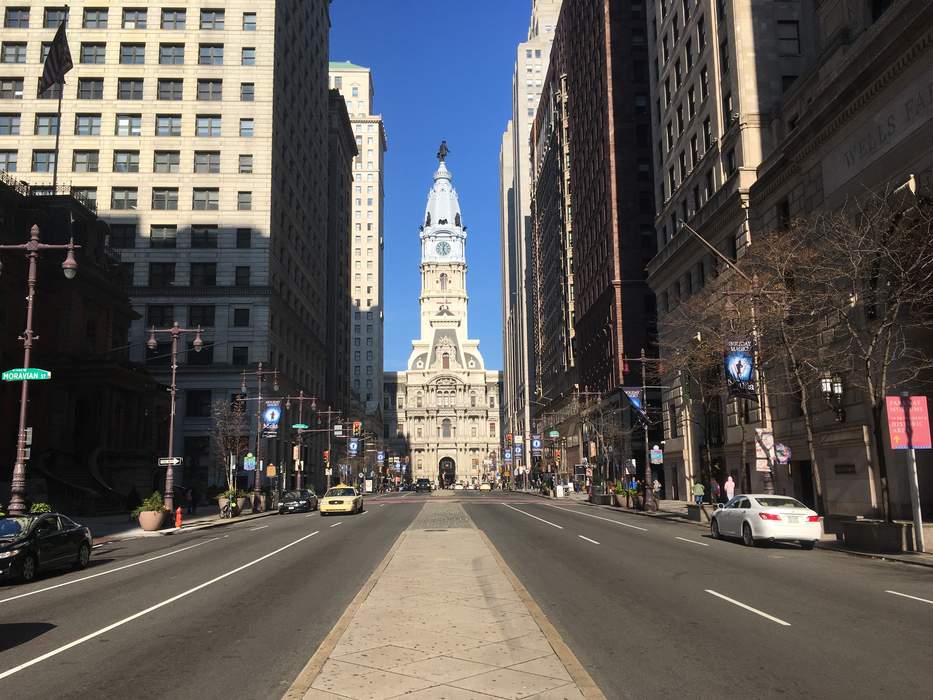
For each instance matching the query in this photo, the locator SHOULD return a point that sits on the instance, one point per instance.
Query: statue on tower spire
(442, 151)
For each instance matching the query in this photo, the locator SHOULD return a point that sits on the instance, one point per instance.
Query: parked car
(485, 486)
(423, 485)
(32, 542)
(296, 501)
(341, 499)
(763, 517)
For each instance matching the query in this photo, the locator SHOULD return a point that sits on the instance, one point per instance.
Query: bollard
(178, 517)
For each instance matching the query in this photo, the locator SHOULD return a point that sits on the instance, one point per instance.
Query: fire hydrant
(178, 517)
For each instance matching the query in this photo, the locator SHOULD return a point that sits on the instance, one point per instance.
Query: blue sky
(442, 70)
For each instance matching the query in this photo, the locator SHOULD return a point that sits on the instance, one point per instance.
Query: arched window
(472, 399)
(445, 359)
(443, 281)
(445, 428)
(419, 401)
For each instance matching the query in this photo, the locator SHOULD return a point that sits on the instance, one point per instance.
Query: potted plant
(619, 493)
(40, 508)
(236, 496)
(636, 498)
(151, 512)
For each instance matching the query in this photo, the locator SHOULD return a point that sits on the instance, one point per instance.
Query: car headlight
(9, 553)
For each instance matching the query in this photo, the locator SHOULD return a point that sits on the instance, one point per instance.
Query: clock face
(443, 248)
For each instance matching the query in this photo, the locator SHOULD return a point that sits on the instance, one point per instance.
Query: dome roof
(443, 209)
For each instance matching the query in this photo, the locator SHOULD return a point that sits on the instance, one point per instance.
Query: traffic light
(326, 455)
(357, 428)
(508, 438)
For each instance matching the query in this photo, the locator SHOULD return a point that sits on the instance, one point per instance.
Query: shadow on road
(16, 633)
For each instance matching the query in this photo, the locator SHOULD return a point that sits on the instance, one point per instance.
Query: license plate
(793, 518)
(336, 503)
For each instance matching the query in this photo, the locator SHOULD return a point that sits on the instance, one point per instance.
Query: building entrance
(447, 473)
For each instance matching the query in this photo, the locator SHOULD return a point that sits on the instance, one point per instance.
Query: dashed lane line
(598, 517)
(684, 539)
(261, 527)
(336, 524)
(743, 606)
(912, 597)
(587, 539)
(548, 522)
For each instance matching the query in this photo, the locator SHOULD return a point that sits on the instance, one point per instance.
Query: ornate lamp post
(834, 394)
(175, 332)
(301, 398)
(70, 269)
(260, 375)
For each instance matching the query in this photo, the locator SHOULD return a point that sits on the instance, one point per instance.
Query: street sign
(25, 373)
(249, 462)
(338, 429)
(553, 434)
(300, 426)
(169, 461)
(656, 456)
(913, 434)
(328, 472)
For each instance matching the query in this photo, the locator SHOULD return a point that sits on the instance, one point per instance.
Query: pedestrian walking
(189, 497)
(699, 491)
(714, 489)
(729, 488)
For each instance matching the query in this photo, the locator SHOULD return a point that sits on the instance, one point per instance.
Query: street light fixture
(198, 344)
(834, 394)
(31, 248)
(301, 398)
(260, 375)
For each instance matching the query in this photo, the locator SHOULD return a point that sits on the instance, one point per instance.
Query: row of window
(123, 236)
(206, 125)
(88, 161)
(163, 198)
(161, 356)
(172, 89)
(203, 315)
(446, 429)
(130, 53)
(202, 274)
(211, 19)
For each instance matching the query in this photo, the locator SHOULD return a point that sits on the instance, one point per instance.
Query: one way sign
(169, 461)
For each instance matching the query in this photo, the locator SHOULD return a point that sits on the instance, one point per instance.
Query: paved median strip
(749, 608)
(548, 522)
(902, 595)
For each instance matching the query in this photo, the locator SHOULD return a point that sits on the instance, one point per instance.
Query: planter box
(241, 504)
(877, 536)
(698, 514)
(151, 520)
(601, 499)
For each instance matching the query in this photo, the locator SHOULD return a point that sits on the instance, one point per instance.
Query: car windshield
(13, 526)
(422, 481)
(293, 495)
(340, 492)
(778, 502)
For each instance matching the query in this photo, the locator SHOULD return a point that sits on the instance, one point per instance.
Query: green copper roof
(345, 65)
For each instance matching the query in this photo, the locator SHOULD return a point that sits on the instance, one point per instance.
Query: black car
(423, 485)
(295, 501)
(37, 541)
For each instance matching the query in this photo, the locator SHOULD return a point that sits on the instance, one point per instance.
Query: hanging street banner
(519, 450)
(353, 447)
(380, 457)
(908, 422)
(249, 462)
(535, 445)
(739, 365)
(270, 418)
(764, 450)
(507, 455)
(782, 453)
(656, 456)
(637, 399)
(31, 374)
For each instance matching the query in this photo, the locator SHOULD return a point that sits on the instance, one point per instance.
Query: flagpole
(58, 135)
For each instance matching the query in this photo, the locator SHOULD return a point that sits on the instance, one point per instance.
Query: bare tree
(229, 434)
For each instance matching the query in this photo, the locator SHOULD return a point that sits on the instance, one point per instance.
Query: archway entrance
(447, 473)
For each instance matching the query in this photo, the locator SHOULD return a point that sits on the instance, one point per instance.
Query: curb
(872, 555)
(106, 539)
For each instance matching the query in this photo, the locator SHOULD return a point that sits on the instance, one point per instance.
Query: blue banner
(739, 366)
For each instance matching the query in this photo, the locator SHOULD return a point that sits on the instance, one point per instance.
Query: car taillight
(769, 516)
(813, 518)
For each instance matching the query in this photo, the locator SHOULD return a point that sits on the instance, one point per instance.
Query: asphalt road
(654, 608)
(234, 611)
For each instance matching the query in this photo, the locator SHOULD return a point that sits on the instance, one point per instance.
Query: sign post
(909, 429)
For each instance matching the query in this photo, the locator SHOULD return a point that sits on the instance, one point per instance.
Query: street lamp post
(175, 332)
(70, 268)
(260, 375)
(301, 398)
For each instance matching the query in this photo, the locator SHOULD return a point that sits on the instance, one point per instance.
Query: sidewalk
(467, 628)
(113, 528)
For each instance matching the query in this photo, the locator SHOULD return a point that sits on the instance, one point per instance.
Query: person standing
(729, 488)
(699, 491)
(714, 490)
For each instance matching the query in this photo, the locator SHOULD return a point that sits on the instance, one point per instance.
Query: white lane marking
(309, 515)
(912, 597)
(599, 517)
(382, 505)
(96, 546)
(587, 539)
(517, 510)
(109, 571)
(684, 539)
(152, 608)
(261, 527)
(336, 524)
(742, 605)
(363, 512)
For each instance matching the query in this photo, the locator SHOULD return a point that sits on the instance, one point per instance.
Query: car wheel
(30, 569)
(84, 556)
(714, 529)
(807, 544)
(747, 539)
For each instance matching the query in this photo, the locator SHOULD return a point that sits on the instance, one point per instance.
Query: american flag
(57, 63)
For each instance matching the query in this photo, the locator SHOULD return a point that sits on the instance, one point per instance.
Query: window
(205, 199)
(248, 57)
(240, 355)
(8, 161)
(16, 18)
(691, 103)
(130, 89)
(123, 197)
(244, 201)
(172, 54)
(53, 92)
(134, 18)
(203, 236)
(729, 162)
(246, 164)
(93, 53)
(446, 429)
(43, 161)
(241, 318)
(694, 150)
(247, 92)
(168, 125)
(11, 88)
(707, 134)
(688, 52)
(13, 52)
(46, 124)
(249, 21)
(54, 16)
(246, 127)
(207, 126)
(724, 55)
(163, 236)
(170, 89)
(165, 161)
(210, 90)
(90, 88)
(202, 315)
(197, 401)
(122, 235)
(701, 33)
(133, 53)
(173, 18)
(161, 274)
(211, 54)
(207, 161)
(727, 114)
(165, 198)
(241, 276)
(788, 37)
(203, 274)
(126, 162)
(128, 125)
(244, 238)
(85, 161)
(212, 19)
(95, 18)
(160, 315)
(787, 82)
(704, 83)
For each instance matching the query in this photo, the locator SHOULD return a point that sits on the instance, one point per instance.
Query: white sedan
(759, 517)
